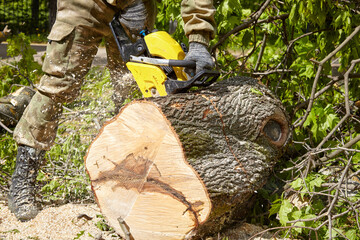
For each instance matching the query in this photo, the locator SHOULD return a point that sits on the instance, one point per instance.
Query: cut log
(141, 178)
(183, 165)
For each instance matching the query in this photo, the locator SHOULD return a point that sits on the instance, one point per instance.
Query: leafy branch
(318, 74)
(247, 23)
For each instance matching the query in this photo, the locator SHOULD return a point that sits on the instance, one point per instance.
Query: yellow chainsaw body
(151, 78)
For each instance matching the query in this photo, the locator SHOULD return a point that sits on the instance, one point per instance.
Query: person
(76, 34)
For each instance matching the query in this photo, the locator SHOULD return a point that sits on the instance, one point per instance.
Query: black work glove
(198, 53)
(134, 17)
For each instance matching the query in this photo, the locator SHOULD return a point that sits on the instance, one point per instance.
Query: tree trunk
(182, 166)
(35, 12)
(52, 12)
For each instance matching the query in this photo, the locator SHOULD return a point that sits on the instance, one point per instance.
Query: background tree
(52, 12)
(35, 12)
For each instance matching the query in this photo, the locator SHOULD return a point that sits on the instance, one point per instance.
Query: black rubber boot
(21, 198)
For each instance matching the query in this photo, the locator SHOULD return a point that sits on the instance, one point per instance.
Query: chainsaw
(157, 63)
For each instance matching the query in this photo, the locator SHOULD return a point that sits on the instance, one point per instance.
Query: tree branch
(317, 76)
(347, 106)
(261, 53)
(248, 23)
(335, 153)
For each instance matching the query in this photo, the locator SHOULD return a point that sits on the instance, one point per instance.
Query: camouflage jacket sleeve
(199, 23)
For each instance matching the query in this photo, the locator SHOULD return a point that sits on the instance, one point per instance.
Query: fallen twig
(5, 127)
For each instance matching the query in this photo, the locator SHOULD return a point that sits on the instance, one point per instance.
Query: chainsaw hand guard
(202, 79)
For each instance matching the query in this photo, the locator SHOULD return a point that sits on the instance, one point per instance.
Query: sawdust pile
(69, 221)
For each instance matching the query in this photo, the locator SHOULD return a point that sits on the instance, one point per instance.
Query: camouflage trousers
(74, 39)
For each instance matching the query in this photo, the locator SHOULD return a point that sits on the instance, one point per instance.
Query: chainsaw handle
(182, 63)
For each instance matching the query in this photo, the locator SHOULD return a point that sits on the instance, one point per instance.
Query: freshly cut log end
(141, 180)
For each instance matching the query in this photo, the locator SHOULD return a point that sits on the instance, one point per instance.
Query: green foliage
(22, 70)
(169, 10)
(228, 15)
(18, 16)
(102, 225)
(8, 150)
(67, 179)
(97, 82)
(302, 210)
(321, 121)
(19, 45)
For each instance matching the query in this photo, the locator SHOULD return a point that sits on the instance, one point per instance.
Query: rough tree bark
(182, 166)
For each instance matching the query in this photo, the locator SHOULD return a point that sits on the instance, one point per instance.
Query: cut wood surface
(184, 164)
(141, 179)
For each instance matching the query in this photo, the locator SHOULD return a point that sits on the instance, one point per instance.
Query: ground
(84, 221)
(69, 221)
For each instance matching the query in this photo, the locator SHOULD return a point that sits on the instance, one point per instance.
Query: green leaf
(296, 214)
(102, 225)
(246, 38)
(53, 185)
(285, 209)
(292, 16)
(275, 207)
(316, 182)
(351, 234)
(79, 234)
(297, 184)
(338, 21)
(331, 121)
(309, 71)
(309, 216)
(300, 224)
(334, 233)
(245, 12)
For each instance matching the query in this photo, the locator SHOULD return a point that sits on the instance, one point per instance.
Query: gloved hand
(134, 17)
(198, 53)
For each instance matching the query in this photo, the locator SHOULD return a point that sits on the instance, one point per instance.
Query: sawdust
(55, 223)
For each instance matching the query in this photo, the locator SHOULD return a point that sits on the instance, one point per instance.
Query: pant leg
(69, 55)
(66, 63)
